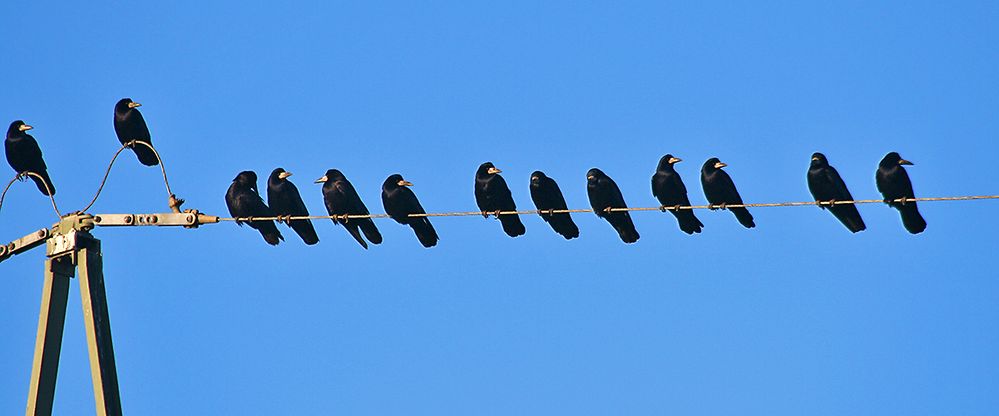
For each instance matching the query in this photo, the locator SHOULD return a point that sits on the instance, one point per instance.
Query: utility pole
(73, 252)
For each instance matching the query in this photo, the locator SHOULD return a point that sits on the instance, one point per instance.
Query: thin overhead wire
(29, 173)
(579, 211)
(111, 164)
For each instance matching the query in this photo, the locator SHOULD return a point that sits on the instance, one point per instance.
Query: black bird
(668, 188)
(400, 201)
(341, 199)
(720, 190)
(604, 194)
(129, 125)
(492, 195)
(547, 196)
(24, 155)
(284, 199)
(826, 186)
(243, 200)
(893, 182)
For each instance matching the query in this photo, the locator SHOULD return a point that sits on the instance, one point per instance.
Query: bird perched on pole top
(668, 188)
(24, 155)
(492, 196)
(400, 201)
(284, 200)
(243, 201)
(604, 195)
(826, 185)
(720, 191)
(548, 197)
(893, 183)
(129, 125)
(341, 199)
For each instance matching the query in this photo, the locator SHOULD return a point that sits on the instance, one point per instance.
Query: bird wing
(838, 185)
(352, 201)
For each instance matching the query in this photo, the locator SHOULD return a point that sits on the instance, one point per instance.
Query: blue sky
(797, 316)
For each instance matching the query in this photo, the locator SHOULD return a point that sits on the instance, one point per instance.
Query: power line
(22, 175)
(579, 211)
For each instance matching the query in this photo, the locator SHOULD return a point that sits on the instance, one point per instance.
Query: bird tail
(563, 224)
(270, 232)
(626, 229)
(44, 181)
(911, 218)
(356, 233)
(146, 155)
(425, 232)
(688, 221)
(744, 217)
(512, 225)
(370, 231)
(306, 230)
(849, 216)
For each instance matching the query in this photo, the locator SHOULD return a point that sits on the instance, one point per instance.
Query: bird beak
(720, 165)
(673, 160)
(405, 183)
(815, 159)
(322, 180)
(904, 162)
(134, 105)
(590, 177)
(493, 171)
(283, 175)
(25, 127)
(534, 178)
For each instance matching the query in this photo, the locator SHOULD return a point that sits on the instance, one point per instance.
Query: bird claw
(497, 213)
(723, 206)
(902, 200)
(608, 209)
(551, 211)
(662, 208)
(712, 207)
(676, 208)
(21, 176)
(344, 218)
(485, 214)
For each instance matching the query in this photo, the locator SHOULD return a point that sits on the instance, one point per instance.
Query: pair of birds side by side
(24, 154)
(341, 200)
(892, 181)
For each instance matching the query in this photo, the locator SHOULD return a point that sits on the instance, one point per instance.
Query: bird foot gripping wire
(551, 211)
(497, 213)
(174, 203)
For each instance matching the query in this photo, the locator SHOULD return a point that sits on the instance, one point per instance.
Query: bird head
(819, 160)
(894, 159)
(395, 181)
(17, 128)
(278, 175)
(124, 105)
(331, 175)
(593, 175)
(667, 162)
(486, 169)
(712, 165)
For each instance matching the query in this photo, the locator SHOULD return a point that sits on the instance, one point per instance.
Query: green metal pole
(98, 326)
(48, 342)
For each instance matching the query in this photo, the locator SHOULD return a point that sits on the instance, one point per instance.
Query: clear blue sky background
(797, 316)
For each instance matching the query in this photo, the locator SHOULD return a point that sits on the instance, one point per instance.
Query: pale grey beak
(283, 175)
(405, 183)
(493, 171)
(134, 105)
(25, 127)
(720, 165)
(673, 160)
(905, 162)
(321, 180)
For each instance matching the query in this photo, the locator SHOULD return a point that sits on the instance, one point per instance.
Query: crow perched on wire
(341, 199)
(668, 188)
(284, 199)
(492, 195)
(604, 194)
(547, 196)
(400, 201)
(129, 125)
(826, 185)
(893, 183)
(243, 200)
(24, 155)
(720, 190)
